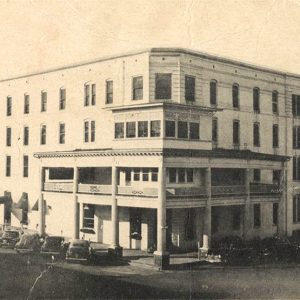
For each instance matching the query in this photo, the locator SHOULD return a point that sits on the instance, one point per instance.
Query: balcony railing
(135, 191)
(66, 187)
(94, 188)
(261, 188)
(228, 190)
(191, 191)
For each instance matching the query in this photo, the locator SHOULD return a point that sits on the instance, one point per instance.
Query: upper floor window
(275, 213)
(296, 209)
(214, 135)
(256, 174)
(213, 92)
(8, 166)
(180, 175)
(89, 131)
(276, 176)
(155, 128)
(235, 96)
(296, 168)
(256, 100)
(275, 136)
(163, 86)
(256, 135)
(43, 137)
(137, 88)
(256, 215)
(43, 101)
(26, 136)
(142, 128)
(296, 137)
(8, 106)
(25, 165)
(26, 103)
(275, 102)
(119, 130)
(62, 98)
(8, 136)
(130, 130)
(190, 88)
(182, 129)
(109, 92)
(236, 132)
(296, 105)
(194, 131)
(170, 129)
(62, 133)
(89, 94)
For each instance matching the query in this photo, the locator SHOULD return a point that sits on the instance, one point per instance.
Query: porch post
(247, 206)
(207, 220)
(75, 233)
(41, 204)
(161, 256)
(282, 228)
(114, 250)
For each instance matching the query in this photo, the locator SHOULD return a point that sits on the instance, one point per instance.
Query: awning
(36, 205)
(23, 202)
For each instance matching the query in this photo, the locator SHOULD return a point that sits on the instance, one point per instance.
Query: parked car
(54, 245)
(79, 250)
(29, 243)
(9, 238)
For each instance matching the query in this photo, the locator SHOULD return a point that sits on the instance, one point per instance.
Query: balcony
(137, 191)
(66, 187)
(94, 189)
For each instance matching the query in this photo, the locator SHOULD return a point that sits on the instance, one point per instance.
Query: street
(117, 281)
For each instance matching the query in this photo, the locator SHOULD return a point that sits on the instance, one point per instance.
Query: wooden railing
(191, 191)
(66, 187)
(130, 190)
(94, 188)
(261, 188)
(228, 190)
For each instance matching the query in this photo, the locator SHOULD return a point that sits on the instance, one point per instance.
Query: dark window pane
(155, 128)
(256, 106)
(145, 174)
(172, 175)
(119, 130)
(235, 96)
(256, 174)
(194, 131)
(189, 88)
(8, 166)
(142, 128)
(130, 129)
(189, 175)
(256, 137)
(26, 136)
(275, 213)
(154, 174)
(26, 104)
(215, 130)
(275, 102)
(136, 174)
(86, 131)
(213, 92)
(93, 102)
(86, 94)
(93, 131)
(256, 215)
(61, 133)
(44, 101)
(25, 166)
(137, 88)
(182, 130)
(236, 132)
(170, 128)
(109, 92)
(8, 136)
(8, 106)
(275, 136)
(181, 175)
(163, 86)
(62, 100)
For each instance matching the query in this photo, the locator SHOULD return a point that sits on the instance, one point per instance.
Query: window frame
(190, 88)
(275, 135)
(213, 92)
(235, 96)
(120, 135)
(256, 134)
(8, 136)
(185, 133)
(214, 130)
(26, 110)
(43, 134)
(256, 100)
(275, 102)
(236, 135)
(296, 209)
(62, 133)
(25, 135)
(44, 97)
(8, 166)
(62, 98)
(137, 87)
(8, 106)
(173, 128)
(143, 129)
(109, 91)
(155, 128)
(25, 166)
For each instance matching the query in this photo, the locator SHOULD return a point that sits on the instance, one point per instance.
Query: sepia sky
(37, 35)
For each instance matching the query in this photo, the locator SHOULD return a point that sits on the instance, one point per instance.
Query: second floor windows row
(8, 163)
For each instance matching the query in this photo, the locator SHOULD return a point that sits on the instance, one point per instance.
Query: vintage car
(29, 243)
(54, 245)
(9, 238)
(79, 250)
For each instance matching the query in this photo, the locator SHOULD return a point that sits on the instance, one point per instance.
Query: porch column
(75, 233)
(114, 250)
(247, 206)
(41, 203)
(282, 226)
(161, 256)
(207, 216)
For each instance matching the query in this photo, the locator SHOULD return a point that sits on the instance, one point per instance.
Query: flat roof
(161, 51)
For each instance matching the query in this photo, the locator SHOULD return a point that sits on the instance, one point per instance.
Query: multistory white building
(156, 149)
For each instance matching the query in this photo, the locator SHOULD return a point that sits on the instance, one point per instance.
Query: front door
(135, 228)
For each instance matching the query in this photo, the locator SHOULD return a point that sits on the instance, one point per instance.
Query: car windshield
(27, 239)
(53, 241)
(11, 234)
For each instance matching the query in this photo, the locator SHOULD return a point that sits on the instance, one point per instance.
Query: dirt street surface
(23, 277)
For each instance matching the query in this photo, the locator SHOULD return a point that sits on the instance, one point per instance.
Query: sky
(38, 35)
